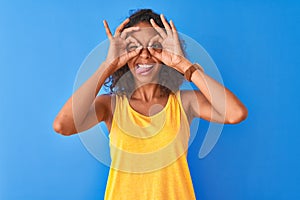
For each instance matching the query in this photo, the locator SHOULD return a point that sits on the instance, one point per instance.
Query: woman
(148, 117)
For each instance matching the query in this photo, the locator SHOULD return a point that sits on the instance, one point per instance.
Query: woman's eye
(156, 46)
(132, 47)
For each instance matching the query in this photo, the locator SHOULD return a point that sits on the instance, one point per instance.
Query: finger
(156, 38)
(121, 27)
(175, 34)
(134, 53)
(156, 43)
(154, 53)
(173, 26)
(107, 30)
(176, 38)
(132, 39)
(158, 29)
(166, 24)
(128, 30)
(132, 44)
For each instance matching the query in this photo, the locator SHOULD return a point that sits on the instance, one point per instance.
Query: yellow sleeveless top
(149, 153)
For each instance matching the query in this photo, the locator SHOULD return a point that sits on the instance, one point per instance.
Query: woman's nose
(145, 53)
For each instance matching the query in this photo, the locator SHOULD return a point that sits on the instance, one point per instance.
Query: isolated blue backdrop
(255, 44)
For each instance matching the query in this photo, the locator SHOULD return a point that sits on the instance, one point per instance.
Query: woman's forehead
(145, 33)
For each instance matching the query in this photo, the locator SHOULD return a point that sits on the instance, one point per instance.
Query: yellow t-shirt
(149, 153)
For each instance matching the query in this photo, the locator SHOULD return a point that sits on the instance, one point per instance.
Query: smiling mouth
(143, 69)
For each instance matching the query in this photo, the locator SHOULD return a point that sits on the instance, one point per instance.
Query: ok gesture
(117, 55)
(171, 52)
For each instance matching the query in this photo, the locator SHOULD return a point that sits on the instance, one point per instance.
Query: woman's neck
(147, 92)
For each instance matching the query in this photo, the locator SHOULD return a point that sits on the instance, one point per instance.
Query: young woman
(147, 116)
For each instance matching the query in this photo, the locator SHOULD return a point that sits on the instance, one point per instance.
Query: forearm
(77, 106)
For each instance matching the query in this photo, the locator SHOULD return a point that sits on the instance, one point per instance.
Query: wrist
(184, 65)
(110, 65)
(190, 71)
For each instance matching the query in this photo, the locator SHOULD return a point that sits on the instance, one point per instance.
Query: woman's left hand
(166, 46)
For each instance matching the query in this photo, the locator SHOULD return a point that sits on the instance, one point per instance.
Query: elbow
(61, 128)
(239, 115)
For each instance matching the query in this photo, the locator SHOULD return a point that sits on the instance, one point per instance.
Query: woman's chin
(146, 78)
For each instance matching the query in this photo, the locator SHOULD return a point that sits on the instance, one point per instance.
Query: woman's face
(144, 67)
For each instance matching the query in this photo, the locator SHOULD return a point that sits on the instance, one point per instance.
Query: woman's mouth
(143, 69)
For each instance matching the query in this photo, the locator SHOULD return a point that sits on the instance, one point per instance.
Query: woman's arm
(213, 102)
(81, 105)
(84, 109)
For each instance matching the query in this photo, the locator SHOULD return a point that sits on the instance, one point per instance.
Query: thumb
(154, 53)
(131, 54)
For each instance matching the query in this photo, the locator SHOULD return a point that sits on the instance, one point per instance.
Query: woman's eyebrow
(147, 43)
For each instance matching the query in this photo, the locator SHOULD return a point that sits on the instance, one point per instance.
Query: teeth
(144, 65)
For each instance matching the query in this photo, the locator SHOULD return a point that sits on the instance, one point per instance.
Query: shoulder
(185, 102)
(104, 98)
(104, 106)
(106, 101)
(190, 100)
(190, 95)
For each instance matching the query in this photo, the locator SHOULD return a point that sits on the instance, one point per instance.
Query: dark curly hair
(121, 82)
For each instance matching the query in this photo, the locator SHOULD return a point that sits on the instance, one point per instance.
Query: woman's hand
(166, 46)
(117, 54)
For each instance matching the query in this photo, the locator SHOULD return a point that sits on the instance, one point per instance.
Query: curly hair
(121, 82)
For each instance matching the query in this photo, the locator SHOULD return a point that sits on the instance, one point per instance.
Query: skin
(217, 103)
(143, 40)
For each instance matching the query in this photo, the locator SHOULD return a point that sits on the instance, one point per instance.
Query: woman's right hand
(118, 54)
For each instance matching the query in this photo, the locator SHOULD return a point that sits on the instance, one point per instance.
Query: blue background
(255, 44)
